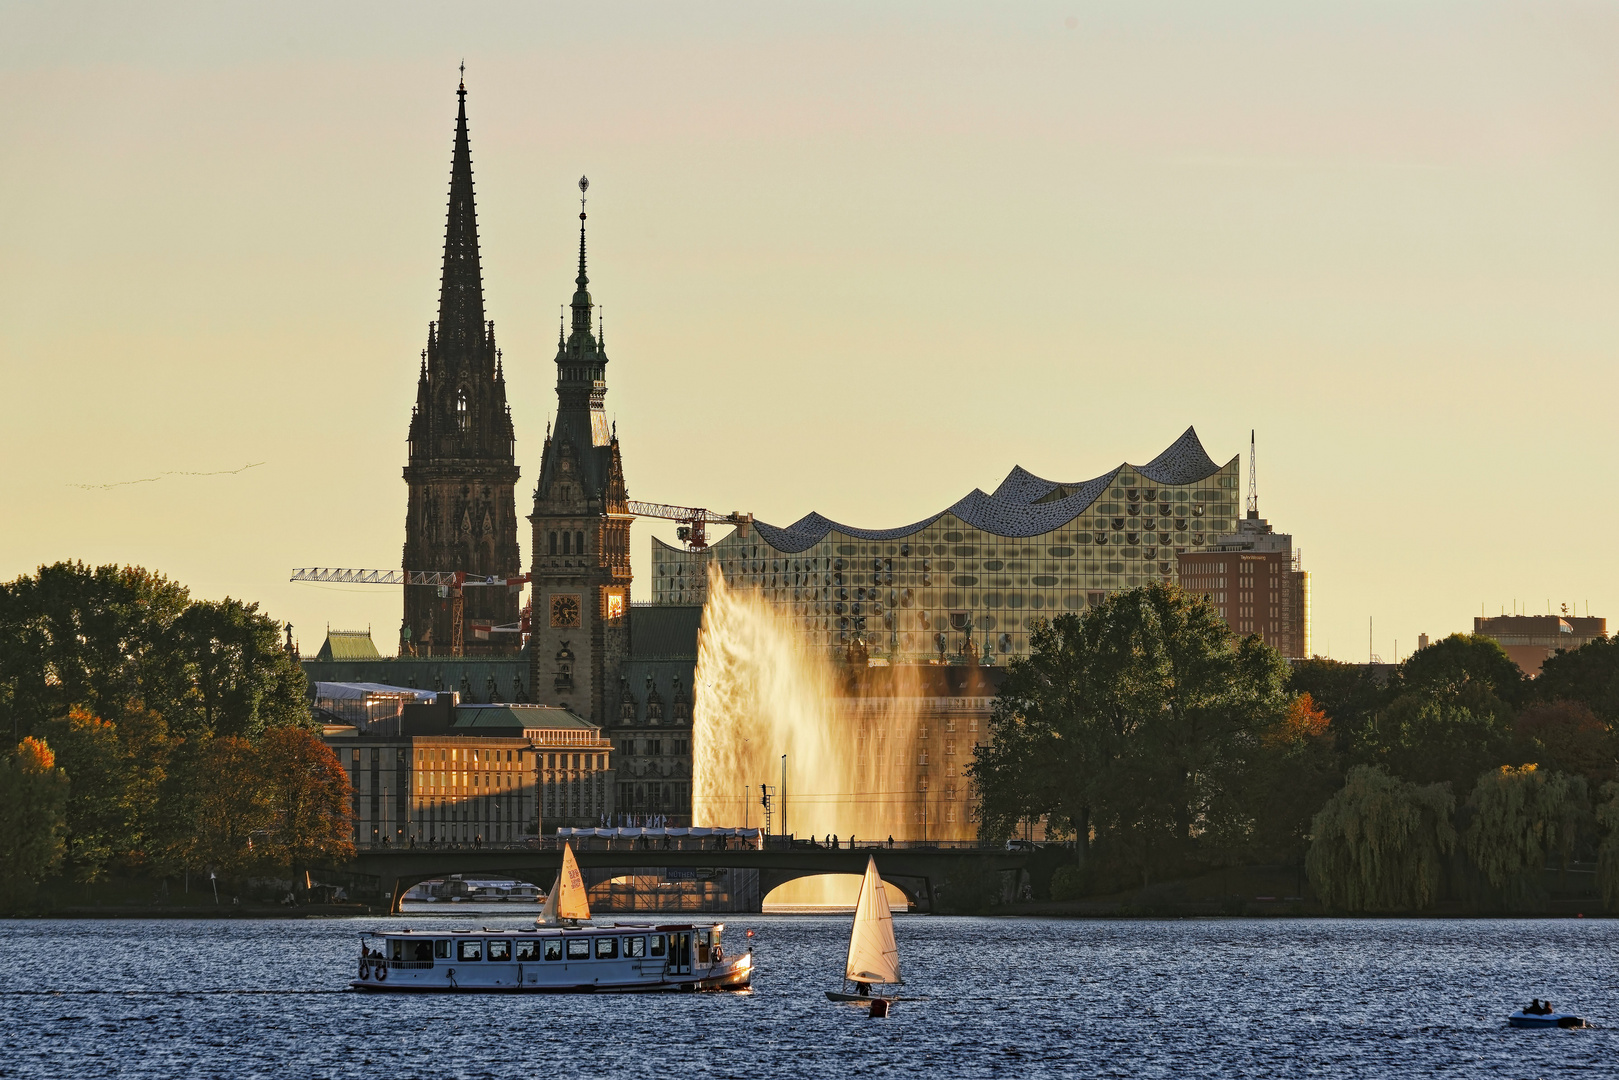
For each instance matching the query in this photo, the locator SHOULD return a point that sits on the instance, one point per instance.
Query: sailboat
(873, 954)
(568, 899)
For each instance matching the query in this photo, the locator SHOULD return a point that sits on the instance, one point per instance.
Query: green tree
(33, 819)
(76, 635)
(87, 749)
(1589, 674)
(1378, 844)
(1295, 769)
(1136, 719)
(1607, 819)
(237, 679)
(1520, 818)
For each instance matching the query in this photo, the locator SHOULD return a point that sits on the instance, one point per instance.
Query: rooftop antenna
(1253, 476)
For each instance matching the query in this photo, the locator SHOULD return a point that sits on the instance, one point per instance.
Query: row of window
(496, 950)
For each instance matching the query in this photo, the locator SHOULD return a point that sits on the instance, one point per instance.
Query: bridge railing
(715, 843)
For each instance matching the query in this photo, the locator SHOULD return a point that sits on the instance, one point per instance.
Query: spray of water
(855, 759)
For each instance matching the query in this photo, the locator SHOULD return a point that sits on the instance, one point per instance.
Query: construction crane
(693, 521)
(692, 531)
(450, 583)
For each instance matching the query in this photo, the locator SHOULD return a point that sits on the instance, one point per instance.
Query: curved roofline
(1022, 505)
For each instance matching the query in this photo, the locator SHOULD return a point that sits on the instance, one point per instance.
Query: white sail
(873, 955)
(567, 899)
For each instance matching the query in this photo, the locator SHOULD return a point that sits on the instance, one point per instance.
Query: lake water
(1001, 997)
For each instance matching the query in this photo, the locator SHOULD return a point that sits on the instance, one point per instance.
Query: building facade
(461, 513)
(971, 581)
(1255, 579)
(1531, 640)
(652, 713)
(581, 529)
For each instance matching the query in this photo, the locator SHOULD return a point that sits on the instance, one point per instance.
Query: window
(553, 949)
(441, 949)
(579, 543)
(607, 948)
(635, 946)
(657, 944)
(565, 538)
(470, 950)
(462, 419)
(578, 948)
(500, 951)
(553, 543)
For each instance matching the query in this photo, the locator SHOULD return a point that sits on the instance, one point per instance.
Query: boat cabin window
(470, 950)
(702, 946)
(657, 944)
(500, 950)
(396, 950)
(606, 948)
(716, 940)
(553, 949)
(441, 949)
(528, 950)
(419, 950)
(635, 946)
(578, 948)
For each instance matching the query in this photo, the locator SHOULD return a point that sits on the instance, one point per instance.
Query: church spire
(460, 305)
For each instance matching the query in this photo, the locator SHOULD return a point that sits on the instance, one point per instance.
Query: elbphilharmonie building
(970, 581)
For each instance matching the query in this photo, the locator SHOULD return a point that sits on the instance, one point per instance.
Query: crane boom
(693, 520)
(450, 584)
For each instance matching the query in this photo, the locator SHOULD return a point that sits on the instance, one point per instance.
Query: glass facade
(972, 581)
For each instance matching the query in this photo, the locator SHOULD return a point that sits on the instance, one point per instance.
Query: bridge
(933, 878)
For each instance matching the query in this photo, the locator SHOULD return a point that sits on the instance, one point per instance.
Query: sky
(853, 258)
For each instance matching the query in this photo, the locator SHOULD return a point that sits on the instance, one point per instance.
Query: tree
(76, 635)
(1136, 720)
(1589, 674)
(1378, 843)
(1294, 771)
(237, 677)
(1520, 817)
(308, 796)
(1607, 819)
(1466, 668)
(1566, 736)
(230, 805)
(33, 818)
(88, 751)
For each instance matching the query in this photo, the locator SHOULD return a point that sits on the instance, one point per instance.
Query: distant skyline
(856, 259)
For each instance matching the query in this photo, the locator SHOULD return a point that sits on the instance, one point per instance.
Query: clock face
(565, 609)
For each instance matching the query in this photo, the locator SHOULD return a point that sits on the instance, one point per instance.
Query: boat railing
(405, 965)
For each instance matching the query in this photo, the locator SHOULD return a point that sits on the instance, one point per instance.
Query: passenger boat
(562, 954)
(873, 953)
(1525, 1019)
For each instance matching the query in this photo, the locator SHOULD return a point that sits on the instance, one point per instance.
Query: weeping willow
(1521, 818)
(1607, 815)
(1377, 844)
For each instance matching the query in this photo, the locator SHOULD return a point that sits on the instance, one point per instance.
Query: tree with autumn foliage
(33, 818)
(307, 801)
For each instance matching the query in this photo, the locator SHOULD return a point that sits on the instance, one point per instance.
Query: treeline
(154, 735)
(1165, 745)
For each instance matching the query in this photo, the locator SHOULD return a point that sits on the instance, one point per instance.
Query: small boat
(563, 954)
(1526, 1019)
(873, 954)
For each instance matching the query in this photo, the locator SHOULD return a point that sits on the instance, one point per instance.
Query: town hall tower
(581, 554)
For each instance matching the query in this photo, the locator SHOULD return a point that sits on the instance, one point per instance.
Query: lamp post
(784, 794)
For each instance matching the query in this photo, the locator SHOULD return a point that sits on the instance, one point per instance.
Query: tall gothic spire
(460, 305)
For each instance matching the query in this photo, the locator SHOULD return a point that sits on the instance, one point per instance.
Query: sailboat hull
(833, 995)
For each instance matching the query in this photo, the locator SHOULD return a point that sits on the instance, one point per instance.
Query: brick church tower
(462, 470)
(581, 528)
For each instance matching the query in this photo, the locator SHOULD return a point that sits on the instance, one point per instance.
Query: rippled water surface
(1004, 997)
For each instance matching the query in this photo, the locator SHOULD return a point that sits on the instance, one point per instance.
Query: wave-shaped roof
(1023, 504)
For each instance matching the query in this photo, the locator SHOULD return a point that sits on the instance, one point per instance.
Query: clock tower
(581, 519)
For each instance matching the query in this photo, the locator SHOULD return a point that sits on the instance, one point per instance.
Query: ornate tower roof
(582, 433)
(460, 303)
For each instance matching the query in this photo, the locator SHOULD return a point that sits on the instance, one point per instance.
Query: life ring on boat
(365, 969)
(382, 972)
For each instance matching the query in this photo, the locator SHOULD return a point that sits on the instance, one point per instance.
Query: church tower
(581, 528)
(462, 469)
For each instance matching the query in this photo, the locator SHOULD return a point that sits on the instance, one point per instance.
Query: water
(1001, 997)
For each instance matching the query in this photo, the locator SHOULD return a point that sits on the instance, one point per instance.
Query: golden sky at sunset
(854, 258)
